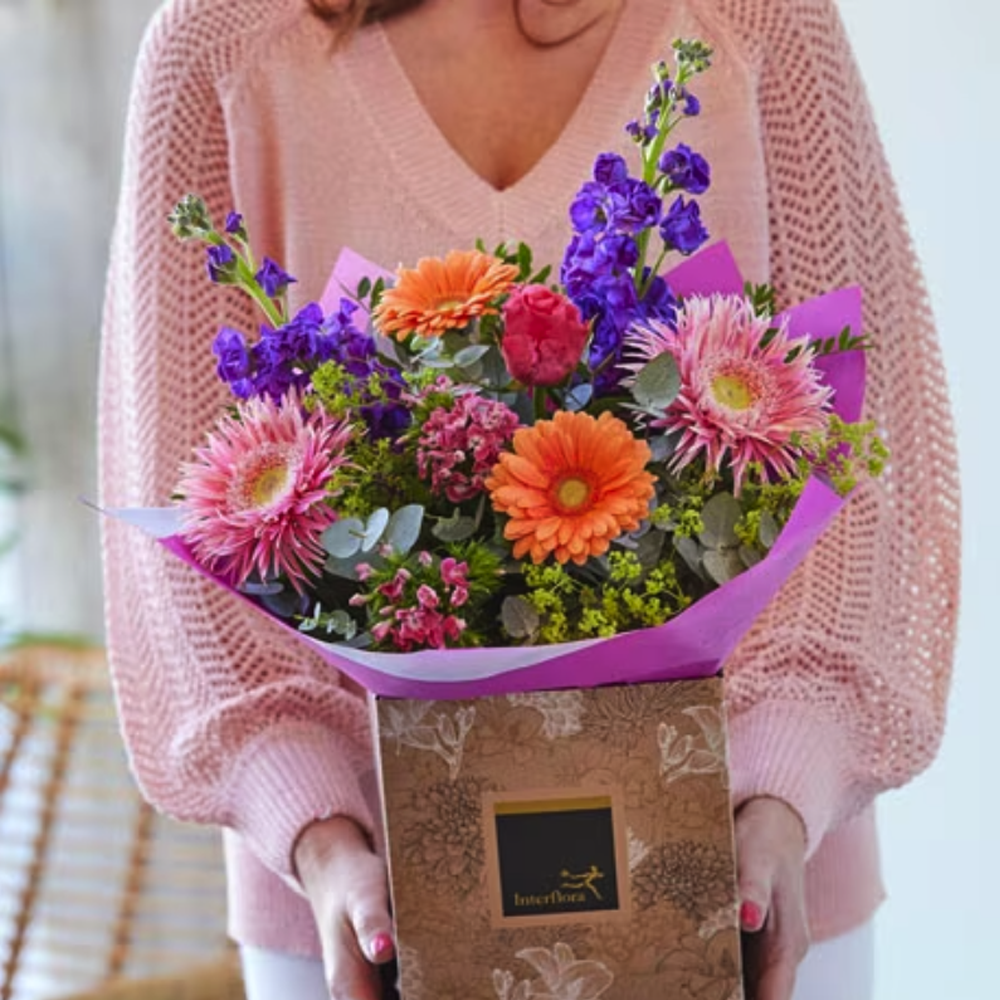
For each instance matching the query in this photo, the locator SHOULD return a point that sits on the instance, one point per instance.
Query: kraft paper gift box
(565, 844)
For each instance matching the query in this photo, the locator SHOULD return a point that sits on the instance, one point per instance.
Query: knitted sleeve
(839, 691)
(226, 721)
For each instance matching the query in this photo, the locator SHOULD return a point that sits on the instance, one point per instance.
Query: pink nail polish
(380, 946)
(751, 917)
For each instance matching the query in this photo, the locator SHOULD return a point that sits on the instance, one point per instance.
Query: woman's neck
(501, 80)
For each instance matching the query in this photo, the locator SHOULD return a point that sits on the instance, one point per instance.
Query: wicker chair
(218, 981)
(96, 889)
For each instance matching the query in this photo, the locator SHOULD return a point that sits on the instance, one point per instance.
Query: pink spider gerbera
(256, 497)
(737, 398)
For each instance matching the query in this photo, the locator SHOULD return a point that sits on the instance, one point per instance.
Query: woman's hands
(345, 882)
(770, 854)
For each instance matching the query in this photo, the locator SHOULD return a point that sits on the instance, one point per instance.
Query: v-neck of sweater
(438, 177)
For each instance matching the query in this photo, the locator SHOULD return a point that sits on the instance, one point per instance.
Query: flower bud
(221, 264)
(190, 219)
(273, 278)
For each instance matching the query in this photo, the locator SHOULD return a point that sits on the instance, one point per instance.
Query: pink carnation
(458, 447)
(544, 336)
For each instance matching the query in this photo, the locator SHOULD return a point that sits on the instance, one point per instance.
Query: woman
(433, 124)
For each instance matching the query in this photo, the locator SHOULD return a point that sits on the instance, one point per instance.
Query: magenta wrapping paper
(694, 644)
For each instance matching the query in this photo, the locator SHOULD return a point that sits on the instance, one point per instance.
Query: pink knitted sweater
(838, 692)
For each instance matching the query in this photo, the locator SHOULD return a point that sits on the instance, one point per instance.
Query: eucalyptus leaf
(657, 385)
(346, 569)
(343, 624)
(404, 528)
(750, 556)
(691, 552)
(257, 589)
(662, 447)
(494, 371)
(649, 548)
(456, 528)
(426, 350)
(376, 525)
(578, 397)
(284, 605)
(470, 355)
(723, 565)
(769, 529)
(520, 619)
(362, 641)
(386, 348)
(720, 516)
(436, 361)
(343, 538)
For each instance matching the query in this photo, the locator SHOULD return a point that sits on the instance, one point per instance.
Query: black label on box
(556, 856)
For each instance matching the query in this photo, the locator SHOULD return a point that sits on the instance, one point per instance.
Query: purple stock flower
(686, 169)
(273, 279)
(658, 95)
(642, 134)
(682, 228)
(295, 343)
(641, 207)
(659, 302)
(610, 169)
(234, 224)
(221, 264)
(692, 106)
(234, 366)
(588, 210)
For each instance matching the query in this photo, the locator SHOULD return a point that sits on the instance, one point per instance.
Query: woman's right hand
(345, 882)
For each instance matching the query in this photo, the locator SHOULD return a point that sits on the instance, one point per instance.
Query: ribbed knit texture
(838, 692)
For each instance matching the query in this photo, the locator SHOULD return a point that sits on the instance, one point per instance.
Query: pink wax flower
(544, 336)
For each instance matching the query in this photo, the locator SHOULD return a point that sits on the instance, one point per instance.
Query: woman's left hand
(770, 858)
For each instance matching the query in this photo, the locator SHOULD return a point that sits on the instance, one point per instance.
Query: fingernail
(751, 917)
(379, 947)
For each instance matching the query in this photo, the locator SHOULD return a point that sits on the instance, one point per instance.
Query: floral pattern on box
(656, 751)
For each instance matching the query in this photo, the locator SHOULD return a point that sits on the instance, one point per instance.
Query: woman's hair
(354, 12)
(347, 15)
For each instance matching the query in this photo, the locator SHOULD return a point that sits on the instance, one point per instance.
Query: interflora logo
(573, 890)
(554, 854)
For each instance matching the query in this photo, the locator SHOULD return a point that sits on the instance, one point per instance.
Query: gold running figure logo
(584, 881)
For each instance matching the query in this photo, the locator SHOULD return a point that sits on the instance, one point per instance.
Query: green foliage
(378, 476)
(658, 384)
(844, 341)
(485, 570)
(848, 453)
(568, 608)
(521, 257)
(762, 301)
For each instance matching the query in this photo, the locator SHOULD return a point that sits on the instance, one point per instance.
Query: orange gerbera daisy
(571, 485)
(443, 294)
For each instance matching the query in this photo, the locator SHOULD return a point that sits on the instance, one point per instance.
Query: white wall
(64, 73)
(932, 72)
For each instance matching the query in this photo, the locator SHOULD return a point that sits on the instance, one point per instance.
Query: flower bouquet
(534, 519)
